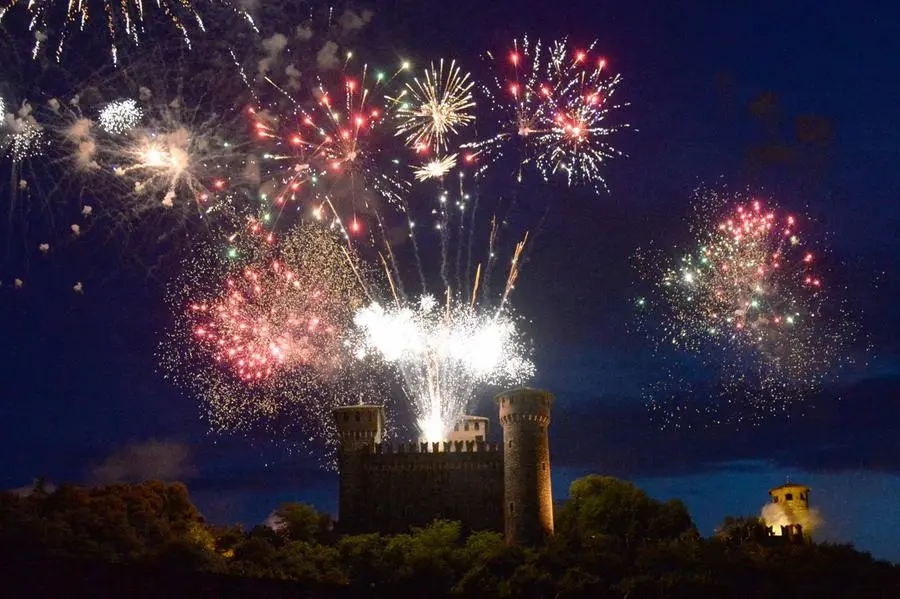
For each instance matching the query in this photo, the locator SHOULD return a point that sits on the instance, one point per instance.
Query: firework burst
(435, 169)
(21, 136)
(429, 110)
(554, 108)
(120, 116)
(327, 149)
(177, 157)
(751, 298)
(259, 331)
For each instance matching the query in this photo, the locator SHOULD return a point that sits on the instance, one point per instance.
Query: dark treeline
(612, 540)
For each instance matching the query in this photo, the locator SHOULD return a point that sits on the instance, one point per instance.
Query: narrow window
(512, 508)
(544, 466)
(357, 416)
(476, 426)
(802, 497)
(346, 416)
(775, 499)
(510, 444)
(466, 425)
(788, 496)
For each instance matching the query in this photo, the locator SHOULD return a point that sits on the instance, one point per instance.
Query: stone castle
(485, 486)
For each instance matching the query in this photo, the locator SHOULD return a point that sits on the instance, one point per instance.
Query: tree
(301, 522)
(603, 508)
(749, 529)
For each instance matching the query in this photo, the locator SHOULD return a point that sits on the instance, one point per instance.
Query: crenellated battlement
(514, 418)
(437, 447)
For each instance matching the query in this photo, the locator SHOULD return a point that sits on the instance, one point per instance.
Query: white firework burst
(432, 109)
(120, 116)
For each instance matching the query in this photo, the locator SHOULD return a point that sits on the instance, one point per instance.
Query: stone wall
(398, 487)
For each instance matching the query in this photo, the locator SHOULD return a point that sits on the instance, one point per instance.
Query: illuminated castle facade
(485, 486)
(791, 517)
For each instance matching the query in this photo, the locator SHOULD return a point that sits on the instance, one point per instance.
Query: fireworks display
(554, 103)
(176, 157)
(444, 353)
(296, 169)
(750, 297)
(21, 136)
(433, 108)
(120, 116)
(260, 327)
(435, 169)
(125, 21)
(327, 150)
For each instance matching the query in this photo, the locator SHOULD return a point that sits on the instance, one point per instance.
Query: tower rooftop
(789, 486)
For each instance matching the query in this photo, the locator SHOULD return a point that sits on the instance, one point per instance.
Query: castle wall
(398, 487)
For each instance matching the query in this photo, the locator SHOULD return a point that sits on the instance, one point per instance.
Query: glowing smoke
(777, 515)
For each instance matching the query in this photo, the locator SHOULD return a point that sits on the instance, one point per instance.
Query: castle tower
(470, 428)
(528, 503)
(359, 427)
(792, 513)
(359, 430)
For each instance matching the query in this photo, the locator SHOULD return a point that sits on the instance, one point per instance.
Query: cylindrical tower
(359, 429)
(791, 503)
(528, 502)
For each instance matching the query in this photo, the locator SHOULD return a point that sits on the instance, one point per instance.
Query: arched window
(357, 416)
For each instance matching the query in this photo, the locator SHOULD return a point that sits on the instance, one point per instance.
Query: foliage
(604, 510)
(612, 541)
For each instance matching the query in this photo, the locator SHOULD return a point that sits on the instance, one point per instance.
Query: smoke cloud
(327, 58)
(777, 515)
(150, 460)
(35, 486)
(352, 21)
(273, 46)
(80, 133)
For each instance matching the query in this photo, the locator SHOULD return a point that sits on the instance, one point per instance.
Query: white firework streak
(435, 169)
(443, 355)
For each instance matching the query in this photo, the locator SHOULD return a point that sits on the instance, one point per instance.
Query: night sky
(83, 401)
